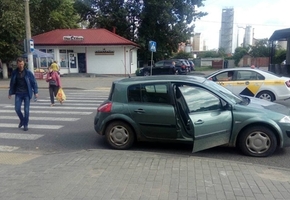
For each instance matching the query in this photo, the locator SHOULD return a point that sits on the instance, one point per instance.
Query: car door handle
(199, 122)
(139, 111)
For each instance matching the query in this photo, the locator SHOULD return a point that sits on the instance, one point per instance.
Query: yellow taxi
(253, 82)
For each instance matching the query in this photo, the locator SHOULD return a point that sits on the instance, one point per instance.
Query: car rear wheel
(119, 135)
(266, 95)
(257, 141)
(146, 73)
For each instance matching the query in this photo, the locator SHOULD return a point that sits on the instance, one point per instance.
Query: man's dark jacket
(29, 79)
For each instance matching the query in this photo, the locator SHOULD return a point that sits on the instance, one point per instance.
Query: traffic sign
(152, 46)
(31, 44)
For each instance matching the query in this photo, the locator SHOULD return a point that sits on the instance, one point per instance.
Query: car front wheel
(257, 141)
(119, 135)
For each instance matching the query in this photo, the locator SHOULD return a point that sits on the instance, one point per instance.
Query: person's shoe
(25, 128)
(20, 125)
(61, 102)
(52, 104)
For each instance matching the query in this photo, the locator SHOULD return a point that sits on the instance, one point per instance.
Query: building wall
(99, 59)
(226, 32)
(197, 42)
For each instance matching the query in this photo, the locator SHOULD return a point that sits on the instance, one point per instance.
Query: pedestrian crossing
(45, 118)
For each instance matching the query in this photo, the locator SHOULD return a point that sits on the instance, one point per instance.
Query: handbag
(52, 82)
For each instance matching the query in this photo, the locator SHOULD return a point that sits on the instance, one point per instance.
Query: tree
(260, 49)
(239, 54)
(182, 55)
(12, 29)
(168, 23)
(53, 14)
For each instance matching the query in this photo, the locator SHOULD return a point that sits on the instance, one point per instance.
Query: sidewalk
(136, 175)
(86, 83)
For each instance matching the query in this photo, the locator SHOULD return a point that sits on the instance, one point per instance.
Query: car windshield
(224, 91)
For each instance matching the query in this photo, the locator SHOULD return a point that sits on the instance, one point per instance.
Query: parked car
(164, 67)
(190, 109)
(253, 82)
(191, 65)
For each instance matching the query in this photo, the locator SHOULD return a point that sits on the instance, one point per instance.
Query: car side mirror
(225, 105)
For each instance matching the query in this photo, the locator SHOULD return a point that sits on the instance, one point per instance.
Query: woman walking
(54, 84)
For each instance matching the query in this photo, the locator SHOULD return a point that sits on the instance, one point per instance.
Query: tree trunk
(5, 71)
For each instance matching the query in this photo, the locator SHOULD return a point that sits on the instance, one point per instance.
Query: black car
(164, 67)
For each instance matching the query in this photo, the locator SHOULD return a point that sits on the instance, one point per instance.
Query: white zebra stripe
(50, 112)
(69, 100)
(6, 125)
(8, 148)
(20, 136)
(67, 104)
(60, 107)
(42, 118)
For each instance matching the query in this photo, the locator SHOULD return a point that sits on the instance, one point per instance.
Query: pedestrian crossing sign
(152, 46)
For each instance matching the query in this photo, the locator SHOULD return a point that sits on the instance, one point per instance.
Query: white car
(253, 82)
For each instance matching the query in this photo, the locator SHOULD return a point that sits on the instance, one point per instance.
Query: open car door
(212, 122)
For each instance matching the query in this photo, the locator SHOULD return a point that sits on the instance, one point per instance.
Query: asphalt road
(77, 133)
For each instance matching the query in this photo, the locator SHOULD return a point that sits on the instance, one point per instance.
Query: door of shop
(82, 63)
(73, 68)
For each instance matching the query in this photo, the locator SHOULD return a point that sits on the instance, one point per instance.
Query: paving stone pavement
(130, 175)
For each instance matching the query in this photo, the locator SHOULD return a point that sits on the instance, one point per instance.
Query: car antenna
(126, 69)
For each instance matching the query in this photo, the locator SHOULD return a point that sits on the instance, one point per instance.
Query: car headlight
(285, 119)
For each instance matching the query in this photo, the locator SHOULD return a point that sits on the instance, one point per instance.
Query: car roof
(160, 78)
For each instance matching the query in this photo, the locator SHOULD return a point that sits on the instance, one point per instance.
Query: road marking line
(68, 100)
(43, 118)
(6, 125)
(61, 107)
(49, 112)
(66, 103)
(20, 136)
(8, 148)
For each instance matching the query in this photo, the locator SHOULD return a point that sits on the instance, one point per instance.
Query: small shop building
(94, 51)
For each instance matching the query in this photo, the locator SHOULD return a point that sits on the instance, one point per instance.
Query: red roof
(69, 37)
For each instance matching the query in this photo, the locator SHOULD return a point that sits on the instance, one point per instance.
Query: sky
(264, 16)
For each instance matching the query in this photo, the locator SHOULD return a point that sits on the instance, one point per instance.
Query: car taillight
(105, 107)
(287, 83)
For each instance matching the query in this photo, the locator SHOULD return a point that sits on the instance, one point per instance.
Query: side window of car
(159, 64)
(199, 99)
(246, 75)
(224, 76)
(155, 93)
(134, 93)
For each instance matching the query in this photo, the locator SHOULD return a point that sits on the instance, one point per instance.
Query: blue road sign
(31, 45)
(152, 46)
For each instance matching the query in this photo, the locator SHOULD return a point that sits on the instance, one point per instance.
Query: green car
(190, 109)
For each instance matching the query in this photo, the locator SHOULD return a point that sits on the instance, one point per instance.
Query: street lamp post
(28, 37)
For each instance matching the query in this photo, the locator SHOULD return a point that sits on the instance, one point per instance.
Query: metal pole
(151, 62)
(28, 36)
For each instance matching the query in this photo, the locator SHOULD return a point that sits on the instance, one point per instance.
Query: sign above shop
(104, 52)
(73, 38)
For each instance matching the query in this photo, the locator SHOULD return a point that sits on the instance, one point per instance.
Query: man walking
(23, 85)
